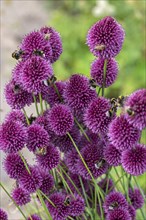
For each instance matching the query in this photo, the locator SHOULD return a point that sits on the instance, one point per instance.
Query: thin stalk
(120, 179)
(46, 107)
(24, 161)
(13, 200)
(139, 188)
(56, 89)
(41, 103)
(84, 193)
(104, 76)
(46, 197)
(115, 184)
(99, 91)
(36, 106)
(27, 120)
(82, 130)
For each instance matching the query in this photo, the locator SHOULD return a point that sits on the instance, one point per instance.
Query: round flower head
(114, 201)
(60, 119)
(132, 212)
(93, 156)
(52, 96)
(16, 96)
(34, 43)
(54, 39)
(136, 198)
(35, 71)
(97, 72)
(38, 138)
(17, 72)
(12, 136)
(62, 209)
(106, 185)
(50, 159)
(3, 215)
(112, 155)
(123, 135)
(30, 181)
(105, 38)
(64, 143)
(118, 214)
(134, 160)
(21, 196)
(14, 165)
(71, 159)
(47, 182)
(95, 117)
(34, 217)
(78, 93)
(16, 115)
(136, 109)
(77, 206)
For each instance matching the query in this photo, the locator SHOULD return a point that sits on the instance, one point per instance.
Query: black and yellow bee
(50, 81)
(100, 47)
(41, 150)
(115, 104)
(99, 164)
(92, 83)
(67, 201)
(16, 89)
(130, 111)
(39, 53)
(17, 54)
(31, 118)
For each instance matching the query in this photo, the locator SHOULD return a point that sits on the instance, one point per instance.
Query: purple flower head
(14, 165)
(97, 72)
(35, 71)
(112, 155)
(52, 96)
(47, 182)
(12, 136)
(78, 93)
(136, 109)
(21, 196)
(16, 96)
(132, 212)
(54, 39)
(95, 116)
(136, 198)
(77, 206)
(34, 43)
(113, 201)
(50, 159)
(60, 119)
(38, 138)
(3, 215)
(17, 72)
(134, 160)
(64, 143)
(118, 214)
(105, 38)
(61, 210)
(123, 135)
(71, 159)
(30, 181)
(93, 156)
(16, 115)
(94, 139)
(34, 217)
(106, 184)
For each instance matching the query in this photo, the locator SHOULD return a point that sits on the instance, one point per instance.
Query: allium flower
(14, 165)
(34, 43)
(38, 137)
(105, 38)
(97, 72)
(53, 37)
(52, 96)
(132, 212)
(47, 181)
(112, 155)
(30, 181)
(16, 115)
(16, 96)
(60, 119)
(77, 206)
(21, 196)
(136, 198)
(93, 156)
(95, 116)
(106, 184)
(71, 159)
(12, 136)
(35, 71)
(134, 160)
(61, 210)
(118, 214)
(17, 72)
(136, 109)
(123, 135)
(50, 159)
(114, 201)
(64, 143)
(34, 217)
(3, 215)
(78, 93)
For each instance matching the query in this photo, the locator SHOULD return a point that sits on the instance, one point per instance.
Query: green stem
(41, 103)
(36, 106)
(47, 198)
(46, 107)
(27, 120)
(84, 193)
(104, 76)
(13, 200)
(99, 91)
(82, 130)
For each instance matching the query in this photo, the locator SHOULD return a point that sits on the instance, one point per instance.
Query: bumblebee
(119, 102)
(47, 36)
(41, 151)
(16, 89)
(67, 201)
(99, 164)
(113, 205)
(100, 47)
(111, 112)
(92, 83)
(50, 81)
(17, 54)
(130, 112)
(31, 118)
(39, 53)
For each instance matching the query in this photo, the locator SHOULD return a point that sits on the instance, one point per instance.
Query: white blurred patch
(103, 8)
